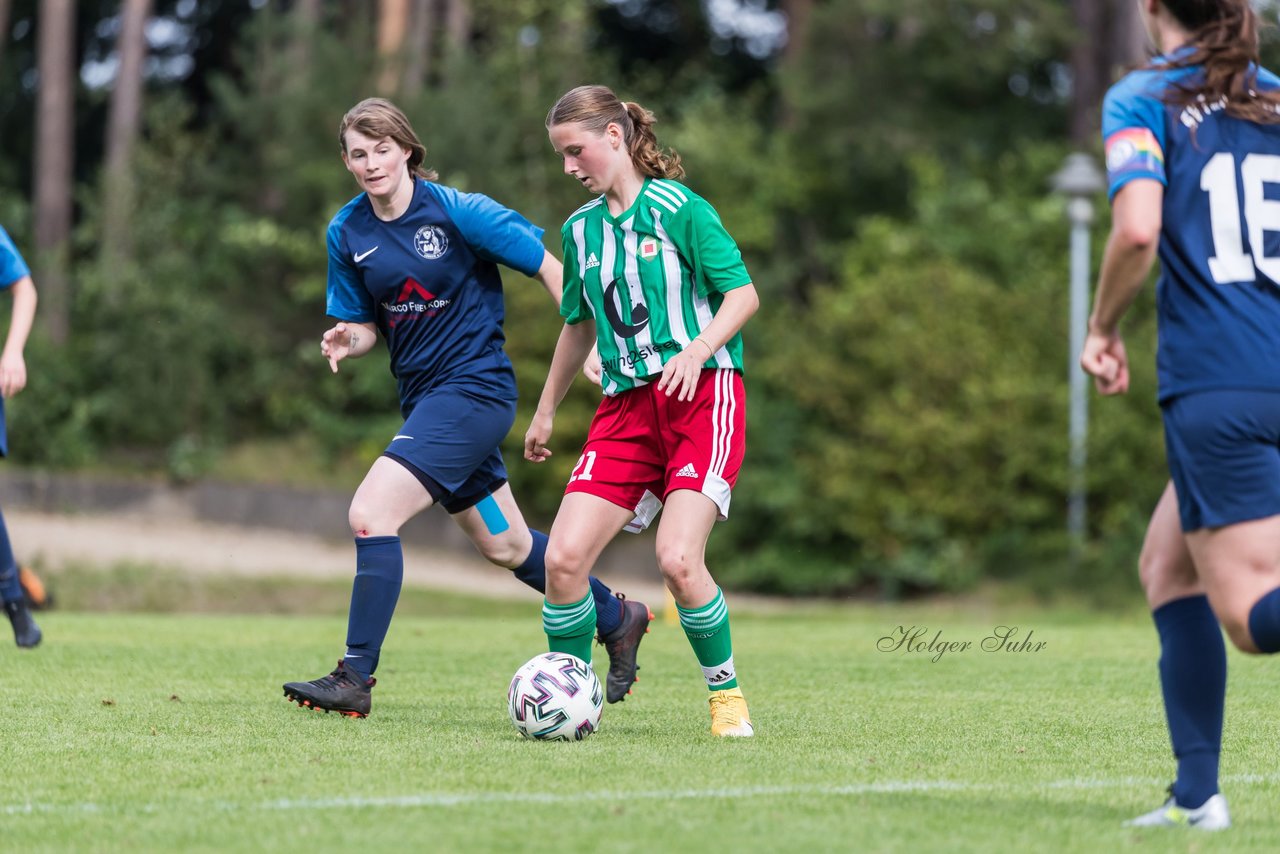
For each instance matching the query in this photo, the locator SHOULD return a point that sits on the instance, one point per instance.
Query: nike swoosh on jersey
(363, 255)
(400, 436)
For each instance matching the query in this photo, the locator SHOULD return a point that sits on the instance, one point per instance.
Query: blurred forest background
(168, 169)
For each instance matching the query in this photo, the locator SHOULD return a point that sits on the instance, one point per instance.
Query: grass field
(131, 732)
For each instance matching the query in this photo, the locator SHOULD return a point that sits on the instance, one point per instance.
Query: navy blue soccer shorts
(450, 442)
(1224, 456)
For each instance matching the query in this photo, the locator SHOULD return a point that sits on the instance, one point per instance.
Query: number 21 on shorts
(582, 471)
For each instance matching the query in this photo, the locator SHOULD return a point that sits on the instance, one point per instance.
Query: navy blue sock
(10, 586)
(1193, 676)
(608, 607)
(379, 573)
(1264, 622)
(533, 572)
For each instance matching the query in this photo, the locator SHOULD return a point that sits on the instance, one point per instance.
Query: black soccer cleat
(26, 633)
(622, 644)
(342, 691)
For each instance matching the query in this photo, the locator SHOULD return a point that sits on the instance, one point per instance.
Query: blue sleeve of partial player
(1133, 130)
(12, 267)
(494, 232)
(346, 296)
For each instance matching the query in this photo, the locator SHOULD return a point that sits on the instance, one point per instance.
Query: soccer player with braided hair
(1193, 159)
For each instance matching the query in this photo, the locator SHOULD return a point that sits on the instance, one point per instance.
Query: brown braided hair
(1224, 41)
(378, 118)
(595, 107)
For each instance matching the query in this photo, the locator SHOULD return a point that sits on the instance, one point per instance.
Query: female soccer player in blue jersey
(1193, 156)
(653, 279)
(15, 277)
(418, 262)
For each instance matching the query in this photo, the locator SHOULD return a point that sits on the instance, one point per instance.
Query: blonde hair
(378, 118)
(595, 107)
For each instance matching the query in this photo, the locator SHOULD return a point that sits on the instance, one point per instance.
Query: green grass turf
(129, 732)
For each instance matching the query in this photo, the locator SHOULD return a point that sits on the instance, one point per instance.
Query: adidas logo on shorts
(687, 471)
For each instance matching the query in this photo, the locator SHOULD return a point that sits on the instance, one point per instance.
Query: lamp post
(1079, 180)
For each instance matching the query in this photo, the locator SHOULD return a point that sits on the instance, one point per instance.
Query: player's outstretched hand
(681, 373)
(536, 438)
(1104, 358)
(335, 345)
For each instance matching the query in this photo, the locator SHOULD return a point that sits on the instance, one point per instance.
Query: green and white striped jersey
(652, 278)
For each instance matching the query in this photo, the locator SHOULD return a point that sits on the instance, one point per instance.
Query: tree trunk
(421, 32)
(6, 11)
(122, 130)
(1110, 40)
(798, 13)
(55, 113)
(1089, 68)
(457, 28)
(307, 12)
(306, 21)
(1130, 44)
(797, 228)
(393, 24)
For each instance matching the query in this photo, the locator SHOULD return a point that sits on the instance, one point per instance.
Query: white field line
(446, 799)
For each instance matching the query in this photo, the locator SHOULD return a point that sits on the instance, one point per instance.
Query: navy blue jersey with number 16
(1218, 296)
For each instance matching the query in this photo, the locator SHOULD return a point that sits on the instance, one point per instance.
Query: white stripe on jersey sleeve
(676, 191)
(579, 231)
(599, 200)
(661, 200)
(661, 193)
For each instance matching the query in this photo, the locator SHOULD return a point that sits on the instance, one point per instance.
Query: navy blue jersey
(430, 282)
(1218, 296)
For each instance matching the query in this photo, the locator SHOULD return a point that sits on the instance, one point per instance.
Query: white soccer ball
(555, 697)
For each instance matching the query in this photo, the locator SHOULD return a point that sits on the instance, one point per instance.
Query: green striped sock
(570, 627)
(708, 631)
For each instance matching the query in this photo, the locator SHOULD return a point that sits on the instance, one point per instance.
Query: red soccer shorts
(644, 445)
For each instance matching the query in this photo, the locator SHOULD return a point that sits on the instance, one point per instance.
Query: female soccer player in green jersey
(654, 280)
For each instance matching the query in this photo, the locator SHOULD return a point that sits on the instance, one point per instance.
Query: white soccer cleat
(1212, 815)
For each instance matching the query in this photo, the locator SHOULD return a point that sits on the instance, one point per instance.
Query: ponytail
(1224, 43)
(646, 154)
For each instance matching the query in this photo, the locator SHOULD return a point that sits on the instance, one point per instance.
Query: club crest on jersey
(431, 242)
(649, 248)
